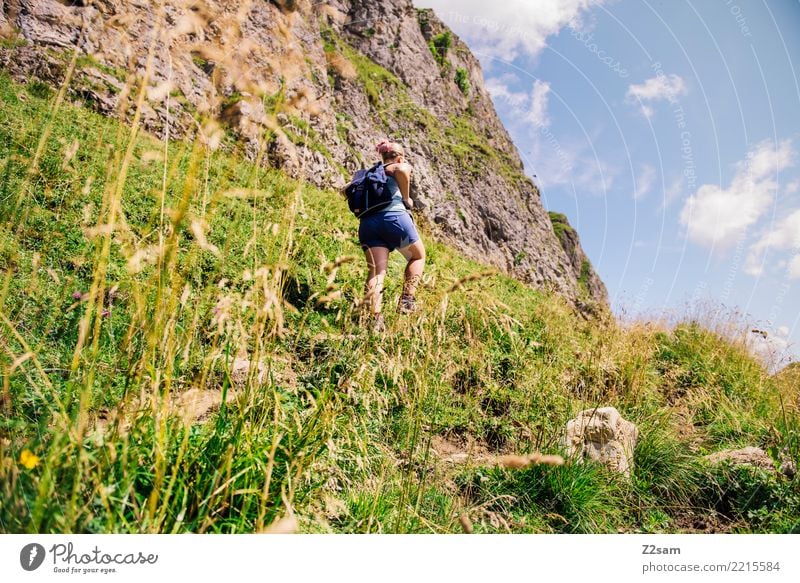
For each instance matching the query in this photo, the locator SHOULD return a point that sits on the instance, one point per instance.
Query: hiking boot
(407, 305)
(378, 325)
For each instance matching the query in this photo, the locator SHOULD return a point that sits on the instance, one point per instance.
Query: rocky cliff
(311, 87)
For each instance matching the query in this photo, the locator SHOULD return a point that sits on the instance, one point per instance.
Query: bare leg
(377, 261)
(415, 255)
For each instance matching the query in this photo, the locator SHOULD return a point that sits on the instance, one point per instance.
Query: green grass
(580, 498)
(583, 278)
(374, 79)
(560, 224)
(439, 46)
(85, 61)
(13, 43)
(309, 137)
(462, 80)
(128, 281)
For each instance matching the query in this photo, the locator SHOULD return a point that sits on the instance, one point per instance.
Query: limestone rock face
(50, 22)
(604, 436)
(311, 87)
(5, 29)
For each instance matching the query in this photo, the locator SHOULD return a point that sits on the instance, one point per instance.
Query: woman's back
(396, 206)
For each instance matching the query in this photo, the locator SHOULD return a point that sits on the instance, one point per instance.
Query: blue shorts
(390, 230)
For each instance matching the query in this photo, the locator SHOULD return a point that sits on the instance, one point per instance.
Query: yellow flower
(27, 459)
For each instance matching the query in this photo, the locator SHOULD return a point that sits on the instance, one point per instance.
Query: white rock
(240, 371)
(604, 436)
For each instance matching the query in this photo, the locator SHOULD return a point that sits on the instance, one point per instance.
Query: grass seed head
(517, 462)
(286, 525)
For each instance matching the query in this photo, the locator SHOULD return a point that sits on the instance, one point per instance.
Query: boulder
(757, 458)
(747, 456)
(754, 457)
(240, 372)
(604, 436)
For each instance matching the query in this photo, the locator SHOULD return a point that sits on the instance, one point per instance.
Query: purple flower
(77, 295)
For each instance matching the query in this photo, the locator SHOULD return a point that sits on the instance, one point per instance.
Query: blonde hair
(389, 150)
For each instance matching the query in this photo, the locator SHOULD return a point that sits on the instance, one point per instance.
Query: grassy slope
(340, 428)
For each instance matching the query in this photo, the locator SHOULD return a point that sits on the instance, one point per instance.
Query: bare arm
(402, 174)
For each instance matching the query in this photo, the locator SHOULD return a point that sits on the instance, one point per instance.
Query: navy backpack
(367, 191)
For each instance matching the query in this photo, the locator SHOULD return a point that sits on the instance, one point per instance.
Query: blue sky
(669, 133)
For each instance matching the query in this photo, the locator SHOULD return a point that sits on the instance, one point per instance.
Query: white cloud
(645, 181)
(659, 88)
(550, 157)
(572, 163)
(717, 216)
(673, 192)
(786, 236)
(505, 29)
(537, 114)
(667, 87)
(498, 88)
(529, 107)
(794, 267)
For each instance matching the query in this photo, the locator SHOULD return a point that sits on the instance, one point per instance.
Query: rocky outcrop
(754, 457)
(602, 435)
(311, 87)
(748, 456)
(53, 23)
(589, 283)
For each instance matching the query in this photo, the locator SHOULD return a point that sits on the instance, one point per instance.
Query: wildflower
(77, 295)
(29, 460)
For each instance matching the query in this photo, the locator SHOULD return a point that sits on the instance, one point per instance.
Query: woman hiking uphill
(389, 229)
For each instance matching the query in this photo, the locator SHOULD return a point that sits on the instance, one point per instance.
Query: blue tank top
(396, 205)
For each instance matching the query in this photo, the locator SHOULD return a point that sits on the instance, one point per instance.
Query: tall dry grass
(182, 351)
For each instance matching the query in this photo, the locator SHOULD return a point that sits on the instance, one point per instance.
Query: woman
(389, 229)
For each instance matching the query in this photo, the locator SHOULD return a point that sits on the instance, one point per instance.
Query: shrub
(439, 45)
(462, 80)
